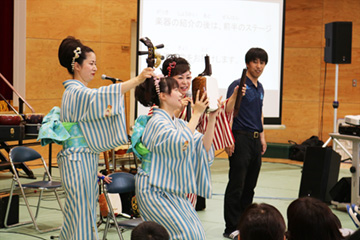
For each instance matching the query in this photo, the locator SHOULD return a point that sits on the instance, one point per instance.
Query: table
(355, 169)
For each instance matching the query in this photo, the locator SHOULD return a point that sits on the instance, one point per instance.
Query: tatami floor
(278, 185)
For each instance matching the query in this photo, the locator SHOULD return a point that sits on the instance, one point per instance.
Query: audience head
(311, 219)
(149, 231)
(72, 51)
(261, 221)
(355, 235)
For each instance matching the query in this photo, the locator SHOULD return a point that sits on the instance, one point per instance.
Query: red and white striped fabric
(223, 135)
(192, 198)
(150, 113)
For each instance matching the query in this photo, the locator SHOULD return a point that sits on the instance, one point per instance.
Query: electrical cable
(346, 159)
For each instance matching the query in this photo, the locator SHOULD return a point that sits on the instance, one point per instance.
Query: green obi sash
(76, 138)
(67, 134)
(145, 156)
(136, 145)
(51, 130)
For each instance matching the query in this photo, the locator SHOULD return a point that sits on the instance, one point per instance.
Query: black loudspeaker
(338, 36)
(320, 173)
(341, 192)
(13, 212)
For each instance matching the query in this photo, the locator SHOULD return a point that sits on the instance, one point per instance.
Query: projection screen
(223, 29)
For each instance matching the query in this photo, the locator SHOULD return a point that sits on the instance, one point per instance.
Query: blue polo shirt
(249, 116)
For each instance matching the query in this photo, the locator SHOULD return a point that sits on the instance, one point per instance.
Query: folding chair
(122, 182)
(22, 154)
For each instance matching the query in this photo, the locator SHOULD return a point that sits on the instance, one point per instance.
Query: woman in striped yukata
(95, 121)
(177, 163)
(179, 68)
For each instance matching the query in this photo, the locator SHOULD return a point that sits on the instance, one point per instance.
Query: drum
(10, 119)
(34, 118)
(210, 85)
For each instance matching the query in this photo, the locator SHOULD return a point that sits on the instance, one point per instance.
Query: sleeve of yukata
(174, 162)
(203, 160)
(103, 121)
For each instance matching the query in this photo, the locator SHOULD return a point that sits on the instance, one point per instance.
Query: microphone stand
(188, 107)
(188, 111)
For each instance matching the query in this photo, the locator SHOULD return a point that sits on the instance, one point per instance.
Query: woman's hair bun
(66, 52)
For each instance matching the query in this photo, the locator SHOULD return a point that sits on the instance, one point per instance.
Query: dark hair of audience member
(146, 93)
(66, 52)
(261, 221)
(149, 230)
(311, 219)
(355, 235)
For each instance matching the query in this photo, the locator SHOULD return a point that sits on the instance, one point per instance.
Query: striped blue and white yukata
(179, 165)
(100, 116)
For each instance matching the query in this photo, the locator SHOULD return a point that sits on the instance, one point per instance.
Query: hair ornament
(77, 53)
(171, 66)
(157, 85)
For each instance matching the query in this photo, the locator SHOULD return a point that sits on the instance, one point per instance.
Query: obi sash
(76, 138)
(136, 145)
(63, 133)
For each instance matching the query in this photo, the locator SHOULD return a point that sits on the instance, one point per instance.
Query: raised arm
(232, 99)
(210, 129)
(133, 82)
(184, 103)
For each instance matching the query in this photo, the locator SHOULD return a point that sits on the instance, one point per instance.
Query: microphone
(188, 107)
(114, 80)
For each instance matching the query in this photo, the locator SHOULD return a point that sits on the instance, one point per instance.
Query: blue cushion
(122, 182)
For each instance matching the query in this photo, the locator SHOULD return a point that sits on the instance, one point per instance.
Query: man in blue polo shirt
(250, 144)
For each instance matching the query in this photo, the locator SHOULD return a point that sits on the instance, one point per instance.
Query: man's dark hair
(256, 53)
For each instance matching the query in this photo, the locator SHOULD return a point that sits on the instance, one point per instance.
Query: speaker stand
(335, 106)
